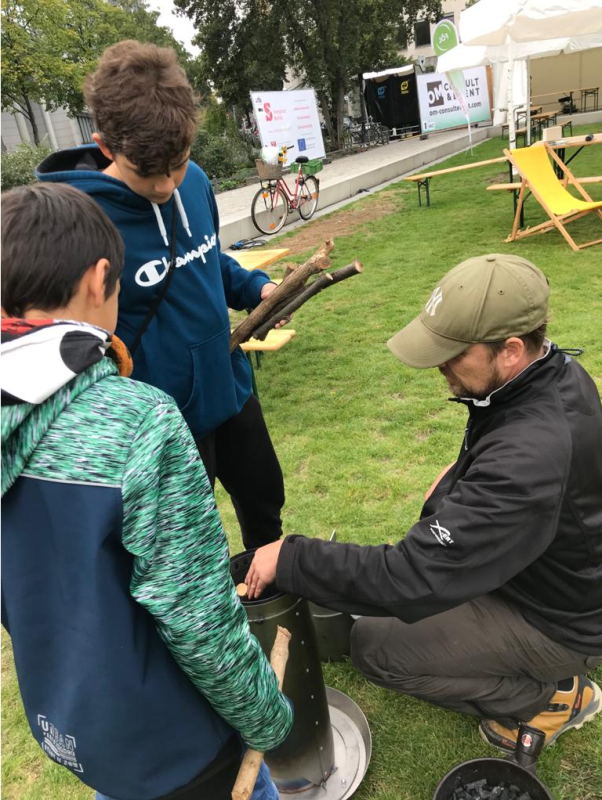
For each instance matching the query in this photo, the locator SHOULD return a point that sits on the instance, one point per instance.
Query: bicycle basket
(268, 172)
(311, 167)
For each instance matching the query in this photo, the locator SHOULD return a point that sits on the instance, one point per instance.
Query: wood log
(321, 282)
(251, 763)
(317, 263)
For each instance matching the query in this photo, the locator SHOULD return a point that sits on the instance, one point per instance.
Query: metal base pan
(352, 751)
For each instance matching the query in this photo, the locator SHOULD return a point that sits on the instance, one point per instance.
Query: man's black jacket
(519, 515)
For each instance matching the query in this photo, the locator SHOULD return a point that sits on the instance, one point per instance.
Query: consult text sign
(439, 107)
(289, 118)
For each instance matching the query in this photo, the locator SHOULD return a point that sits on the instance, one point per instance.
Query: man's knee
(369, 638)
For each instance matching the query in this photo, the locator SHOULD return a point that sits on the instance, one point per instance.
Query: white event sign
(439, 107)
(291, 119)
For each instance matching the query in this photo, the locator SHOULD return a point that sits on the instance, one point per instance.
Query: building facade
(55, 128)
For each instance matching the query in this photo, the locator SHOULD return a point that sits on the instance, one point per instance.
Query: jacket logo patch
(154, 271)
(442, 535)
(60, 748)
(434, 300)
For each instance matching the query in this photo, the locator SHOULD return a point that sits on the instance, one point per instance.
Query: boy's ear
(95, 279)
(102, 146)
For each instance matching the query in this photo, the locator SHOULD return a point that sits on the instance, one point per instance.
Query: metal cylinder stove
(307, 757)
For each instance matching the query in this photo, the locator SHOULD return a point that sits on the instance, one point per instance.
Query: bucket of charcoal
(512, 778)
(491, 779)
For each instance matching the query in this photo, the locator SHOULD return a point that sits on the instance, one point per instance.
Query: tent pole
(510, 103)
(528, 102)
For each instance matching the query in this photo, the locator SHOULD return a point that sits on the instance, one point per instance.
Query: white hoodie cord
(182, 213)
(160, 223)
(183, 216)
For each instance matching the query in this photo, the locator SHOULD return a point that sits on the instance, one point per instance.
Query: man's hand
(262, 571)
(266, 291)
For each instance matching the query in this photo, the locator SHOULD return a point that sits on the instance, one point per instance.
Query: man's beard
(459, 389)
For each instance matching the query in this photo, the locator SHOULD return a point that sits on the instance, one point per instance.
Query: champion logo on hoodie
(154, 271)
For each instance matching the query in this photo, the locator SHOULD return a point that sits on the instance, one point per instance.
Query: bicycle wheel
(269, 210)
(309, 193)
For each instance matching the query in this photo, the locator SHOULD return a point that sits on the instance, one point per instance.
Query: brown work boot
(568, 708)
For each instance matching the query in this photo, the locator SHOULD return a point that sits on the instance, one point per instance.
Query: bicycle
(275, 200)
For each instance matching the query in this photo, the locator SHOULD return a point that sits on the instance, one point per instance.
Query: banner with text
(439, 108)
(291, 119)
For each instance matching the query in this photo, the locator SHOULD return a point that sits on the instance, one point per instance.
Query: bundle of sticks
(291, 294)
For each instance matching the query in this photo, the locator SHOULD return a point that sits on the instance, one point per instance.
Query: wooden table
(584, 93)
(259, 258)
(573, 141)
(276, 338)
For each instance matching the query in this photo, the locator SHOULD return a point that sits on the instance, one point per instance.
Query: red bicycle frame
(283, 187)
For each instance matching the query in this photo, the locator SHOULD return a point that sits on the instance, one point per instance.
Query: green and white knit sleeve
(181, 576)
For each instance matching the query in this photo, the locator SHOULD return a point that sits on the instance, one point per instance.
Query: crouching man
(492, 603)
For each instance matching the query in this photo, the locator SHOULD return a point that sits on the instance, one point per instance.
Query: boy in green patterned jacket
(136, 664)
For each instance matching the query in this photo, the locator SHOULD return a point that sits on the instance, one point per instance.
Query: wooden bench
(512, 187)
(259, 259)
(424, 178)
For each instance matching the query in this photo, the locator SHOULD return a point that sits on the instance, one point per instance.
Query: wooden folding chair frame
(555, 221)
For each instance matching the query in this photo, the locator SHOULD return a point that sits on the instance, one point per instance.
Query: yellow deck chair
(535, 168)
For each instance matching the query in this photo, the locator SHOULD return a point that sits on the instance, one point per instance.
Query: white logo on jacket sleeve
(60, 748)
(433, 302)
(149, 274)
(442, 535)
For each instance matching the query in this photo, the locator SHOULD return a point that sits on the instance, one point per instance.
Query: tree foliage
(327, 43)
(18, 168)
(49, 46)
(242, 46)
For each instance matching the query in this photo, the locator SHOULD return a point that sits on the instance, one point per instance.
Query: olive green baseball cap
(483, 299)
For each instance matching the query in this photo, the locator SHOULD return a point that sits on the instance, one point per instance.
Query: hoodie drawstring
(160, 223)
(182, 213)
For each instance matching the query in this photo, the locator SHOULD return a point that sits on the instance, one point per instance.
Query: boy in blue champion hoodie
(163, 205)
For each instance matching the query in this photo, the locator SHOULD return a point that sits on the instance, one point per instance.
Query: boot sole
(593, 708)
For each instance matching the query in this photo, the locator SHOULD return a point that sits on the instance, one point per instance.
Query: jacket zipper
(467, 434)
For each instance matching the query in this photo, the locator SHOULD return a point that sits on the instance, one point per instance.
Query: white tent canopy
(494, 32)
(491, 22)
(466, 56)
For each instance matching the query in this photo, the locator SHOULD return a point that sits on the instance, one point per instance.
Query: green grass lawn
(360, 438)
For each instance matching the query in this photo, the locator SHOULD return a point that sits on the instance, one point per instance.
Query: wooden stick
(318, 262)
(242, 589)
(251, 763)
(321, 282)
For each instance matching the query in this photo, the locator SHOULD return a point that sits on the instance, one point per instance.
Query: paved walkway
(345, 177)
